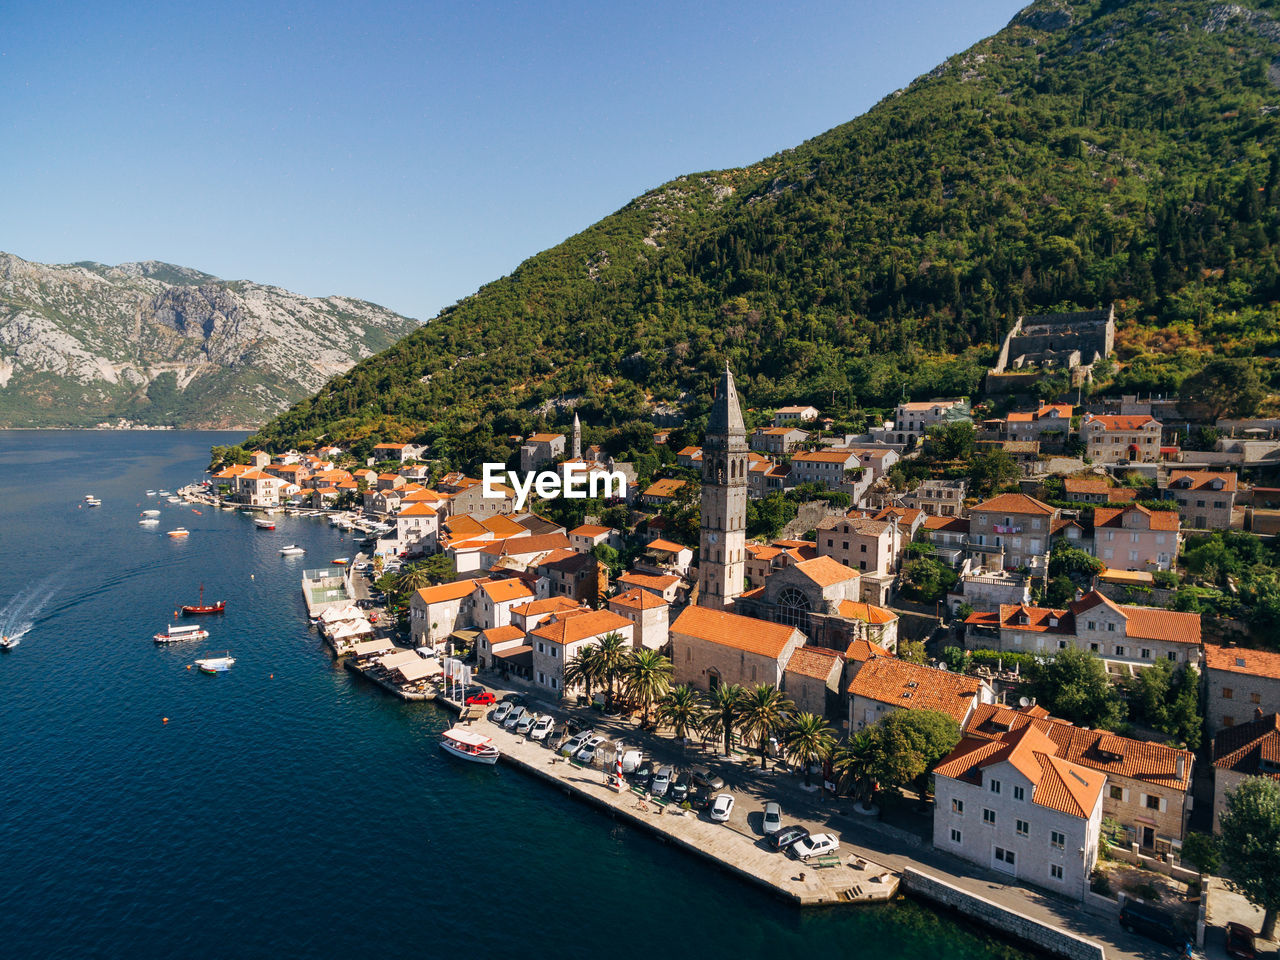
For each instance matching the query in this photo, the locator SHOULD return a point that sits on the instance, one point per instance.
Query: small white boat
(215, 664)
(174, 499)
(166, 493)
(264, 524)
(8, 643)
(180, 533)
(181, 633)
(92, 502)
(151, 513)
(292, 550)
(151, 493)
(149, 522)
(469, 745)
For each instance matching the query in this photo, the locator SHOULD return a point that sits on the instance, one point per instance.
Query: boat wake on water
(19, 614)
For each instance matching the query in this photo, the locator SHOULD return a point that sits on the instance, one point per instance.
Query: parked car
(722, 807)
(772, 818)
(661, 781)
(680, 786)
(484, 698)
(587, 752)
(815, 845)
(787, 836)
(700, 798)
(502, 711)
(515, 698)
(643, 775)
(542, 728)
(574, 743)
(525, 723)
(704, 777)
(1240, 941)
(1137, 917)
(631, 759)
(514, 717)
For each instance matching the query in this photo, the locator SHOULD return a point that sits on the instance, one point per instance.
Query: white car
(514, 717)
(817, 845)
(661, 781)
(587, 752)
(525, 723)
(722, 807)
(542, 727)
(772, 817)
(502, 711)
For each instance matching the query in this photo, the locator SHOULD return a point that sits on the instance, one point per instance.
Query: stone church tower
(723, 543)
(576, 453)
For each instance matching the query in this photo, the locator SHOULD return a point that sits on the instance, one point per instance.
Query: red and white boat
(193, 609)
(264, 524)
(469, 745)
(179, 634)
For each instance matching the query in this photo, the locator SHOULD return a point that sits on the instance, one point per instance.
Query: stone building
(435, 612)
(1248, 750)
(777, 440)
(713, 647)
(539, 449)
(1240, 685)
(1015, 526)
(1109, 439)
(1072, 342)
(938, 498)
(1135, 538)
(722, 544)
(811, 681)
(1205, 498)
(809, 595)
(649, 613)
(557, 639)
(872, 547)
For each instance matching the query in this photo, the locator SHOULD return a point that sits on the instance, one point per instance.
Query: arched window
(793, 608)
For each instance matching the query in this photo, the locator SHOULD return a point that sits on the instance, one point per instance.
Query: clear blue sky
(407, 153)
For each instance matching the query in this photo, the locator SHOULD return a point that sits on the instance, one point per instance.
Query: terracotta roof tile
(1252, 748)
(574, 627)
(506, 634)
(638, 599)
(549, 605)
(1253, 663)
(1202, 480)
(588, 530)
(867, 612)
(825, 456)
(817, 663)
(442, 592)
(665, 488)
(860, 651)
(500, 591)
(914, 687)
(826, 571)
(733, 630)
(1014, 503)
(1135, 422)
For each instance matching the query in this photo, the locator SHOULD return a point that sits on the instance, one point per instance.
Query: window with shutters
(1117, 793)
(1227, 693)
(1153, 802)
(995, 786)
(955, 836)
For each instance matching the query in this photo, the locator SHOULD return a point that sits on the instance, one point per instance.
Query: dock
(734, 846)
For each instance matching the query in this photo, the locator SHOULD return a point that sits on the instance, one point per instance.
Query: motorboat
(92, 502)
(264, 524)
(340, 561)
(216, 664)
(150, 521)
(181, 634)
(8, 643)
(151, 493)
(166, 493)
(175, 499)
(151, 513)
(180, 533)
(193, 609)
(469, 745)
(292, 550)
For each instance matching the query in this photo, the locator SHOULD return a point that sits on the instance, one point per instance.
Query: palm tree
(854, 764)
(721, 718)
(583, 669)
(681, 709)
(763, 714)
(809, 739)
(413, 578)
(611, 654)
(647, 678)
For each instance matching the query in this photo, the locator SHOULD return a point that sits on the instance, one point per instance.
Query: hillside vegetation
(1087, 153)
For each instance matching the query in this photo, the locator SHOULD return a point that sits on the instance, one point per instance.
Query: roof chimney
(1182, 767)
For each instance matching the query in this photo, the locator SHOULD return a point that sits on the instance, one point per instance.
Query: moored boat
(151, 513)
(151, 493)
(181, 633)
(149, 521)
(216, 664)
(469, 745)
(179, 533)
(292, 550)
(174, 499)
(264, 524)
(340, 561)
(192, 609)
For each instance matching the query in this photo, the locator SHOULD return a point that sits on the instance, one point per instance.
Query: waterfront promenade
(739, 846)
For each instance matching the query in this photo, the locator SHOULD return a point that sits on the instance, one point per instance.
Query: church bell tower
(722, 546)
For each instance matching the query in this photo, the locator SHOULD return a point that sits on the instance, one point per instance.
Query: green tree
(646, 678)
(854, 763)
(1250, 845)
(1202, 850)
(911, 742)
(764, 711)
(808, 740)
(723, 713)
(1073, 685)
(912, 651)
(990, 470)
(951, 441)
(609, 557)
(681, 710)
(1227, 386)
(413, 578)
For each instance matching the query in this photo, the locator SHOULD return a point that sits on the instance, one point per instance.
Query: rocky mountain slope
(160, 344)
(1093, 151)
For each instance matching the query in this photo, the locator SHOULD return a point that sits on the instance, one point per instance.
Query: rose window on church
(793, 607)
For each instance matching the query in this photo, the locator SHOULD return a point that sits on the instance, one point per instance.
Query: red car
(483, 699)
(1240, 941)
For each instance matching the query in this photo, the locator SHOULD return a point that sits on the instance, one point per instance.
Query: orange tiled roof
(501, 526)
(815, 662)
(1134, 422)
(1246, 747)
(825, 456)
(1156, 519)
(418, 510)
(496, 635)
(867, 612)
(949, 524)
(1038, 619)
(733, 630)
(500, 591)
(1099, 750)
(588, 530)
(1253, 663)
(594, 623)
(826, 571)
(640, 599)
(860, 651)
(1202, 479)
(549, 605)
(442, 592)
(914, 687)
(645, 580)
(544, 437)
(666, 546)
(1014, 503)
(905, 515)
(665, 488)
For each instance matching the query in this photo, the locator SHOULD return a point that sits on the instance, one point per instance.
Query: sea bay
(287, 808)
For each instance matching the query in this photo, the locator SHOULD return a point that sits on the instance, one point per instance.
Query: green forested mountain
(1089, 152)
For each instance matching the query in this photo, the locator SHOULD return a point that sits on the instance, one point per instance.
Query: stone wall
(810, 514)
(1051, 939)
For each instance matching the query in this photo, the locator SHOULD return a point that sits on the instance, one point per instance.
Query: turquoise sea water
(288, 809)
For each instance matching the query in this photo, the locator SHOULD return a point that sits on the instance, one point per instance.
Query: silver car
(541, 729)
(661, 781)
(587, 753)
(574, 743)
(501, 712)
(525, 723)
(772, 817)
(514, 717)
